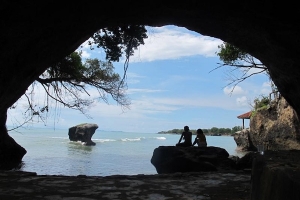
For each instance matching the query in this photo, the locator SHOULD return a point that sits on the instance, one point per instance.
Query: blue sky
(171, 83)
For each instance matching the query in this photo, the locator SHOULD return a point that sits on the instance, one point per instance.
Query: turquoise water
(50, 152)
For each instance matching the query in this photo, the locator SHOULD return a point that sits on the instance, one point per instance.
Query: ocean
(50, 152)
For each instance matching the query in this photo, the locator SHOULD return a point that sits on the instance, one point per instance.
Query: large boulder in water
(83, 133)
(172, 159)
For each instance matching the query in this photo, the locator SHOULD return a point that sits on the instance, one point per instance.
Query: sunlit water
(50, 152)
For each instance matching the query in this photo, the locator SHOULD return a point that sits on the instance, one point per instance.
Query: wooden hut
(244, 116)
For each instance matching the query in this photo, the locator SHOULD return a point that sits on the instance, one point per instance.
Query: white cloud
(266, 88)
(167, 42)
(266, 84)
(134, 75)
(142, 110)
(133, 78)
(242, 101)
(85, 54)
(197, 102)
(144, 107)
(171, 43)
(237, 90)
(134, 90)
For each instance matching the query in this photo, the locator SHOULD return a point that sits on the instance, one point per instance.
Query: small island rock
(83, 133)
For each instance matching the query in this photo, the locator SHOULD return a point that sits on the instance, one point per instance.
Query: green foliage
(70, 67)
(230, 54)
(118, 40)
(261, 102)
(178, 131)
(205, 131)
(240, 64)
(70, 77)
(98, 72)
(236, 128)
(212, 131)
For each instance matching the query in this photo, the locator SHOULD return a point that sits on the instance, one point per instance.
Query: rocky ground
(231, 185)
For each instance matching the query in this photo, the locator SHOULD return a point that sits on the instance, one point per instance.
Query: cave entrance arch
(35, 35)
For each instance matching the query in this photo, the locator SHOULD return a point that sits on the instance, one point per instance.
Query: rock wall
(276, 127)
(275, 176)
(243, 141)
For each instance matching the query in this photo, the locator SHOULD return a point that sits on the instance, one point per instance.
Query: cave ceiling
(36, 34)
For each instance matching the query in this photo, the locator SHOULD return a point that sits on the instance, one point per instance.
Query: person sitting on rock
(200, 139)
(187, 137)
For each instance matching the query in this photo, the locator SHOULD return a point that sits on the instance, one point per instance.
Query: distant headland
(214, 131)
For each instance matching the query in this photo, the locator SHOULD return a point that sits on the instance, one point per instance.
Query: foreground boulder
(83, 133)
(171, 159)
(276, 175)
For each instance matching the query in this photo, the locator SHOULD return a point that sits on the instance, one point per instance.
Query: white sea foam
(59, 137)
(161, 138)
(78, 142)
(103, 140)
(130, 140)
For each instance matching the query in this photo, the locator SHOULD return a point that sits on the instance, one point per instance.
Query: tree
(238, 59)
(205, 131)
(214, 130)
(119, 40)
(236, 128)
(261, 102)
(224, 131)
(66, 81)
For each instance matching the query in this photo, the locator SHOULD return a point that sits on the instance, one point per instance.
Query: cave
(36, 34)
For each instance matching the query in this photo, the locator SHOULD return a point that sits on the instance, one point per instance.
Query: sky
(173, 80)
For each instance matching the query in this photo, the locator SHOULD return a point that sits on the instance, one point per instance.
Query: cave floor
(233, 185)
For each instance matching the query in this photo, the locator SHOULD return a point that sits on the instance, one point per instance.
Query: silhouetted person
(200, 139)
(187, 137)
